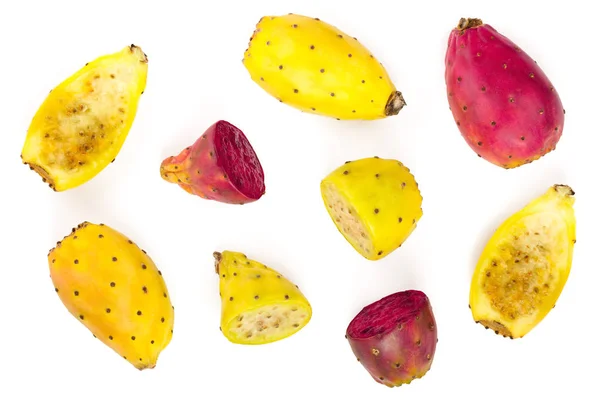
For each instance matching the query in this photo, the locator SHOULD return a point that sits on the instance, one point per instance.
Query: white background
(195, 78)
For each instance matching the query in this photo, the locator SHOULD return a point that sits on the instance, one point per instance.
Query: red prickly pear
(395, 337)
(504, 105)
(221, 165)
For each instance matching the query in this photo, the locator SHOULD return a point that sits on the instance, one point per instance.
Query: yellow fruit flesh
(374, 203)
(313, 66)
(267, 324)
(113, 288)
(347, 220)
(259, 305)
(82, 124)
(525, 265)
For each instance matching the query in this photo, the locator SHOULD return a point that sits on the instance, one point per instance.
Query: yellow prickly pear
(525, 265)
(113, 288)
(315, 67)
(375, 204)
(258, 304)
(82, 124)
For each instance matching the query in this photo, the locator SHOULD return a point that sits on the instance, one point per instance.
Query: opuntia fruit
(115, 290)
(395, 338)
(525, 265)
(221, 165)
(315, 67)
(375, 204)
(504, 105)
(258, 304)
(82, 124)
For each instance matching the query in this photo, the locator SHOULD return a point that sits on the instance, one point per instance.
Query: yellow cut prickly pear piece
(525, 265)
(258, 304)
(375, 204)
(82, 124)
(113, 288)
(315, 67)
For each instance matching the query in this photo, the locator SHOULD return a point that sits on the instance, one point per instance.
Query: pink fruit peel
(221, 165)
(504, 105)
(395, 338)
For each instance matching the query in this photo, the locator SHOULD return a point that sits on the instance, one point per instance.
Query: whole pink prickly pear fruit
(395, 337)
(221, 165)
(504, 105)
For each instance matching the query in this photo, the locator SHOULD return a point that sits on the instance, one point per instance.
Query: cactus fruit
(375, 204)
(114, 289)
(314, 67)
(221, 165)
(525, 265)
(505, 107)
(82, 124)
(395, 337)
(258, 304)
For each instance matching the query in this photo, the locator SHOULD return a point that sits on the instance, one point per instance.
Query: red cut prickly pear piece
(395, 337)
(221, 165)
(504, 105)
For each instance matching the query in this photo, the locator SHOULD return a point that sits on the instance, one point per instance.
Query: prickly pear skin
(504, 105)
(259, 304)
(375, 204)
(221, 165)
(115, 290)
(525, 265)
(82, 124)
(315, 67)
(395, 338)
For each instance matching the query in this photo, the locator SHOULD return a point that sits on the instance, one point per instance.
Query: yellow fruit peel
(115, 290)
(82, 124)
(315, 67)
(375, 204)
(525, 265)
(259, 304)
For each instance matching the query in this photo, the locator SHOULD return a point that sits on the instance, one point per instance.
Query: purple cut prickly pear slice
(221, 165)
(395, 337)
(505, 107)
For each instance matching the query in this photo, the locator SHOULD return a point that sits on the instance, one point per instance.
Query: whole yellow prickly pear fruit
(81, 126)
(258, 304)
(375, 203)
(113, 288)
(315, 67)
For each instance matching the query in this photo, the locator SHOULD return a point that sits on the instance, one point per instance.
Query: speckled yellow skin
(113, 288)
(259, 305)
(82, 124)
(525, 265)
(375, 204)
(314, 67)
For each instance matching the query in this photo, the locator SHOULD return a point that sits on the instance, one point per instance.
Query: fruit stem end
(468, 23)
(394, 104)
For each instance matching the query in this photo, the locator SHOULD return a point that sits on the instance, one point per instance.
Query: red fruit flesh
(377, 318)
(504, 105)
(395, 337)
(237, 158)
(221, 165)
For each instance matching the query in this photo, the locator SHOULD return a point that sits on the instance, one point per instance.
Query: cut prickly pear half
(375, 204)
(314, 67)
(81, 126)
(525, 265)
(506, 108)
(395, 338)
(115, 290)
(259, 305)
(221, 165)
